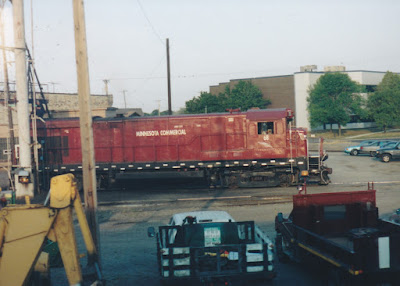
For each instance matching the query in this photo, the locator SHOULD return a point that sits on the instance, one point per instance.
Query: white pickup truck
(210, 247)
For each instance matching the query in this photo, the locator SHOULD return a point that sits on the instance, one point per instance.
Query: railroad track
(226, 201)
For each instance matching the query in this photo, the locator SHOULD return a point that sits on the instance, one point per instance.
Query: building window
(370, 88)
(265, 128)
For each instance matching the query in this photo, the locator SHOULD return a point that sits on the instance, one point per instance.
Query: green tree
(333, 99)
(243, 95)
(181, 110)
(383, 104)
(206, 102)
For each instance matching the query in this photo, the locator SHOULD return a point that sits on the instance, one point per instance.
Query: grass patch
(361, 134)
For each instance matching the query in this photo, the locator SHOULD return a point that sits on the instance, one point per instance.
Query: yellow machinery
(24, 228)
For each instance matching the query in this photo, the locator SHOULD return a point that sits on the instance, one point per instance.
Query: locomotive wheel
(231, 182)
(284, 180)
(354, 152)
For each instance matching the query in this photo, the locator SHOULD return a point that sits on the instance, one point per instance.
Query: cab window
(265, 128)
(335, 212)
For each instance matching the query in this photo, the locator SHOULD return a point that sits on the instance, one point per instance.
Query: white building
(304, 80)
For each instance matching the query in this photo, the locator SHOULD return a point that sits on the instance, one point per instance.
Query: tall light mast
(24, 180)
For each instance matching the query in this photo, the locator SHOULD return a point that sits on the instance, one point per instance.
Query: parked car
(373, 147)
(367, 147)
(389, 152)
(355, 150)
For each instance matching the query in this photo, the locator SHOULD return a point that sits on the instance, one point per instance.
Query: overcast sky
(210, 42)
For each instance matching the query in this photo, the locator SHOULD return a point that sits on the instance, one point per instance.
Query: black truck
(210, 248)
(342, 233)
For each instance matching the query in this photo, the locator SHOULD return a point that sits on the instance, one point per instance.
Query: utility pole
(124, 92)
(109, 96)
(169, 80)
(23, 187)
(53, 85)
(158, 101)
(7, 97)
(106, 81)
(85, 114)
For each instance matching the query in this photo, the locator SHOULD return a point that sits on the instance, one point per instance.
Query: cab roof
(203, 217)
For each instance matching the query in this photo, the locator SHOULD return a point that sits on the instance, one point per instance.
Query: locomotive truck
(256, 148)
(343, 234)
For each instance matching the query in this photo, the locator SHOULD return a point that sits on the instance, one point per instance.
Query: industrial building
(292, 90)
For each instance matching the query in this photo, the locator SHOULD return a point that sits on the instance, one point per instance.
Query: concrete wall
(303, 81)
(355, 125)
(69, 101)
(4, 120)
(366, 77)
(3, 131)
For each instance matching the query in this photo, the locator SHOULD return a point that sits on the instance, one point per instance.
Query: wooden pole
(169, 80)
(85, 114)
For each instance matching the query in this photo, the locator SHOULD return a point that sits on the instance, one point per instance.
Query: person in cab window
(264, 128)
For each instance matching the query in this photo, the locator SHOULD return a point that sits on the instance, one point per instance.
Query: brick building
(60, 105)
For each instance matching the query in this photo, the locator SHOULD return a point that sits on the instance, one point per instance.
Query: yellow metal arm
(24, 228)
(63, 192)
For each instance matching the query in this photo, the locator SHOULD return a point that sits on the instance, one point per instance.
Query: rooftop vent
(334, 69)
(309, 68)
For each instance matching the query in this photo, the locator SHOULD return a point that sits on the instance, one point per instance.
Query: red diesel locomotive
(245, 149)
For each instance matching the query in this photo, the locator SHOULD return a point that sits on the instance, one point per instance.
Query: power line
(148, 20)
(153, 71)
(187, 76)
(145, 78)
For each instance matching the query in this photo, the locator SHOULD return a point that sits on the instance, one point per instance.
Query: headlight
(304, 173)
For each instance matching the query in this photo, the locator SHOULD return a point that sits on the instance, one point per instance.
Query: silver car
(355, 150)
(373, 147)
